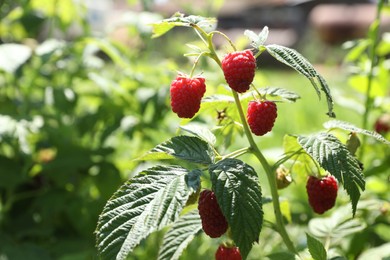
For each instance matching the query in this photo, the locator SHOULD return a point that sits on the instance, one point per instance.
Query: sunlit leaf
(316, 248)
(303, 164)
(337, 226)
(200, 131)
(13, 56)
(380, 252)
(281, 93)
(350, 127)
(148, 202)
(189, 148)
(164, 26)
(257, 40)
(296, 61)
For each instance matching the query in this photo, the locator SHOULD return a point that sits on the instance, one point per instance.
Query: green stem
(270, 176)
(237, 153)
(374, 44)
(255, 150)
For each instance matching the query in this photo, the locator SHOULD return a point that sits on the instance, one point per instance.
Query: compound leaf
(146, 203)
(180, 235)
(295, 60)
(239, 195)
(334, 157)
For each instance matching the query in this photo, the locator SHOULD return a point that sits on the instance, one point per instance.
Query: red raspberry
(186, 95)
(227, 253)
(382, 124)
(239, 70)
(261, 116)
(213, 222)
(322, 193)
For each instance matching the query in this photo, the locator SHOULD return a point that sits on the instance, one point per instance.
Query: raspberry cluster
(322, 193)
(239, 70)
(186, 95)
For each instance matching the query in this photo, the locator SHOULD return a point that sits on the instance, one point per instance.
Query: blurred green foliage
(75, 109)
(73, 113)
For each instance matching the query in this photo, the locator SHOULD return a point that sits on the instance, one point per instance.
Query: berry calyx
(261, 116)
(214, 223)
(227, 253)
(239, 70)
(322, 193)
(186, 95)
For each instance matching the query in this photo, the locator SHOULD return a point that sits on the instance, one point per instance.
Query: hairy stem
(237, 153)
(254, 149)
(270, 176)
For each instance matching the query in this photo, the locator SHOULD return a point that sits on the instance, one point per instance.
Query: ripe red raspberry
(261, 116)
(239, 69)
(186, 95)
(227, 253)
(322, 193)
(382, 124)
(213, 222)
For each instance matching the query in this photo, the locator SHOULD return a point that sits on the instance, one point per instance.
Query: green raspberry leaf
(146, 203)
(350, 127)
(302, 163)
(334, 157)
(178, 19)
(189, 148)
(295, 60)
(316, 248)
(200, 131)
(340, 224)
(238, 193)
(180, 235)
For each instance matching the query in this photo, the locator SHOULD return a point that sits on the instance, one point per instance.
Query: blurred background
(84, 90)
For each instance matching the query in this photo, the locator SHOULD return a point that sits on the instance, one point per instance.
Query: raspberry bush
(230, 204)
